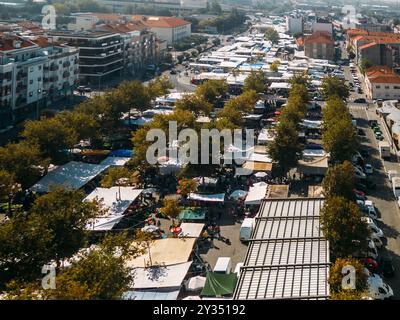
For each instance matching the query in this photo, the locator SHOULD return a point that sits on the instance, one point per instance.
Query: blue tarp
(121, 153)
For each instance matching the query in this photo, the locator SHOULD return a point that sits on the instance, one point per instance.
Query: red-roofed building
(319, 45)
(170, 29)
(382, 83)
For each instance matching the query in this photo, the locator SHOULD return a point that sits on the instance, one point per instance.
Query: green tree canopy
(340, 181)
(272, 35)
(286, 149)
(194, 103)
(64, 217)
(212, 90)
(342, 226)
(340, 140)
(332, 85)
(255, 81)
(51, 135)
(274, 66)
(23, 160)
(364, 65)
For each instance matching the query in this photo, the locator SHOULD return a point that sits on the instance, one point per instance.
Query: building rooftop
(382, 74)
(161, 22)
(14, 42)
(288, 256)
(319, 37)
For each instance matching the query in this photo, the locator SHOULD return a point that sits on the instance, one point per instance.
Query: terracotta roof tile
(161, 22)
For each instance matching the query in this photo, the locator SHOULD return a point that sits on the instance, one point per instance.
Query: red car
(370, 264)
(359, 194)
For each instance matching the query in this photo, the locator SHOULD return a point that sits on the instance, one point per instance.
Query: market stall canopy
(72, 175)
(152, 294)
(193, 213)
(256, 194)
(257, 166)
(278, 191)
(191, 230)
(219, 197)
(165, 252)
(116, 200)
(218, 285)
(115, 161)
(237, 194)
(170, 276)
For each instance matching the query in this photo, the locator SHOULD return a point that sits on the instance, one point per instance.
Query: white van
(223, 265)
(246, 229)
(396, 186)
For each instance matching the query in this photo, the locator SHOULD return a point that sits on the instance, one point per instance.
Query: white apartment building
(29, 77)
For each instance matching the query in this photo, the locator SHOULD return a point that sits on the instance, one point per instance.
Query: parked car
(359, 194)
(364, 153)
(361, 132)
(386, 267)
(368, 169)
(87, 89)
(370, 264)
(379, 136)
(371, 209)
(360, 100)
(361, 186)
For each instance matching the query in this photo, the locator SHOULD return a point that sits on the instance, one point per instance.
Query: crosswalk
(357, 106)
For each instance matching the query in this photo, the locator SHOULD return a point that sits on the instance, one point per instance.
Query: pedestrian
(217, 231)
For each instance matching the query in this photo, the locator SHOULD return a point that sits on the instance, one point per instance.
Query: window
(39, 79)
(377, 87)
(396, 87)
(386, 87)
(31, 81)
(31, 93)
(31, 69)
(39, 67)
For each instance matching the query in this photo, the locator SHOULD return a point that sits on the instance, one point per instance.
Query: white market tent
(152, 294)
(115, 161)
(160, 276)
(256, 194)
(72, 175)
(116, 200)
(280, 85)
(219, 197)
(191, 230)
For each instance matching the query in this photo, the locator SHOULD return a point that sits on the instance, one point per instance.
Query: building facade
(382, 83)
(33, 74)
(101, 55)
(294, 24)
(139, 46)
(170, 29)
(319, 45)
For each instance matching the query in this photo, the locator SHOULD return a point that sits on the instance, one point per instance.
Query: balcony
(66, 74)
(66, 64)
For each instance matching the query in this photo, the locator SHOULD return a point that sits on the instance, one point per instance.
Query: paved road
(383, 197)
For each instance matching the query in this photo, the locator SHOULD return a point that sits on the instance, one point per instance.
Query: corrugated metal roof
(286, 282)
(288, 256)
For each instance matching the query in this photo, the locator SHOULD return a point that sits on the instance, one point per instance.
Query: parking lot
(382, 196)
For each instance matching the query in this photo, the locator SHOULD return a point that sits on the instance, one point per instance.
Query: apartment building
(170, 29)
(101, 55)
(380, 48)
(382, 83)
(33, 74)
(139, 45)
(319, 45)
